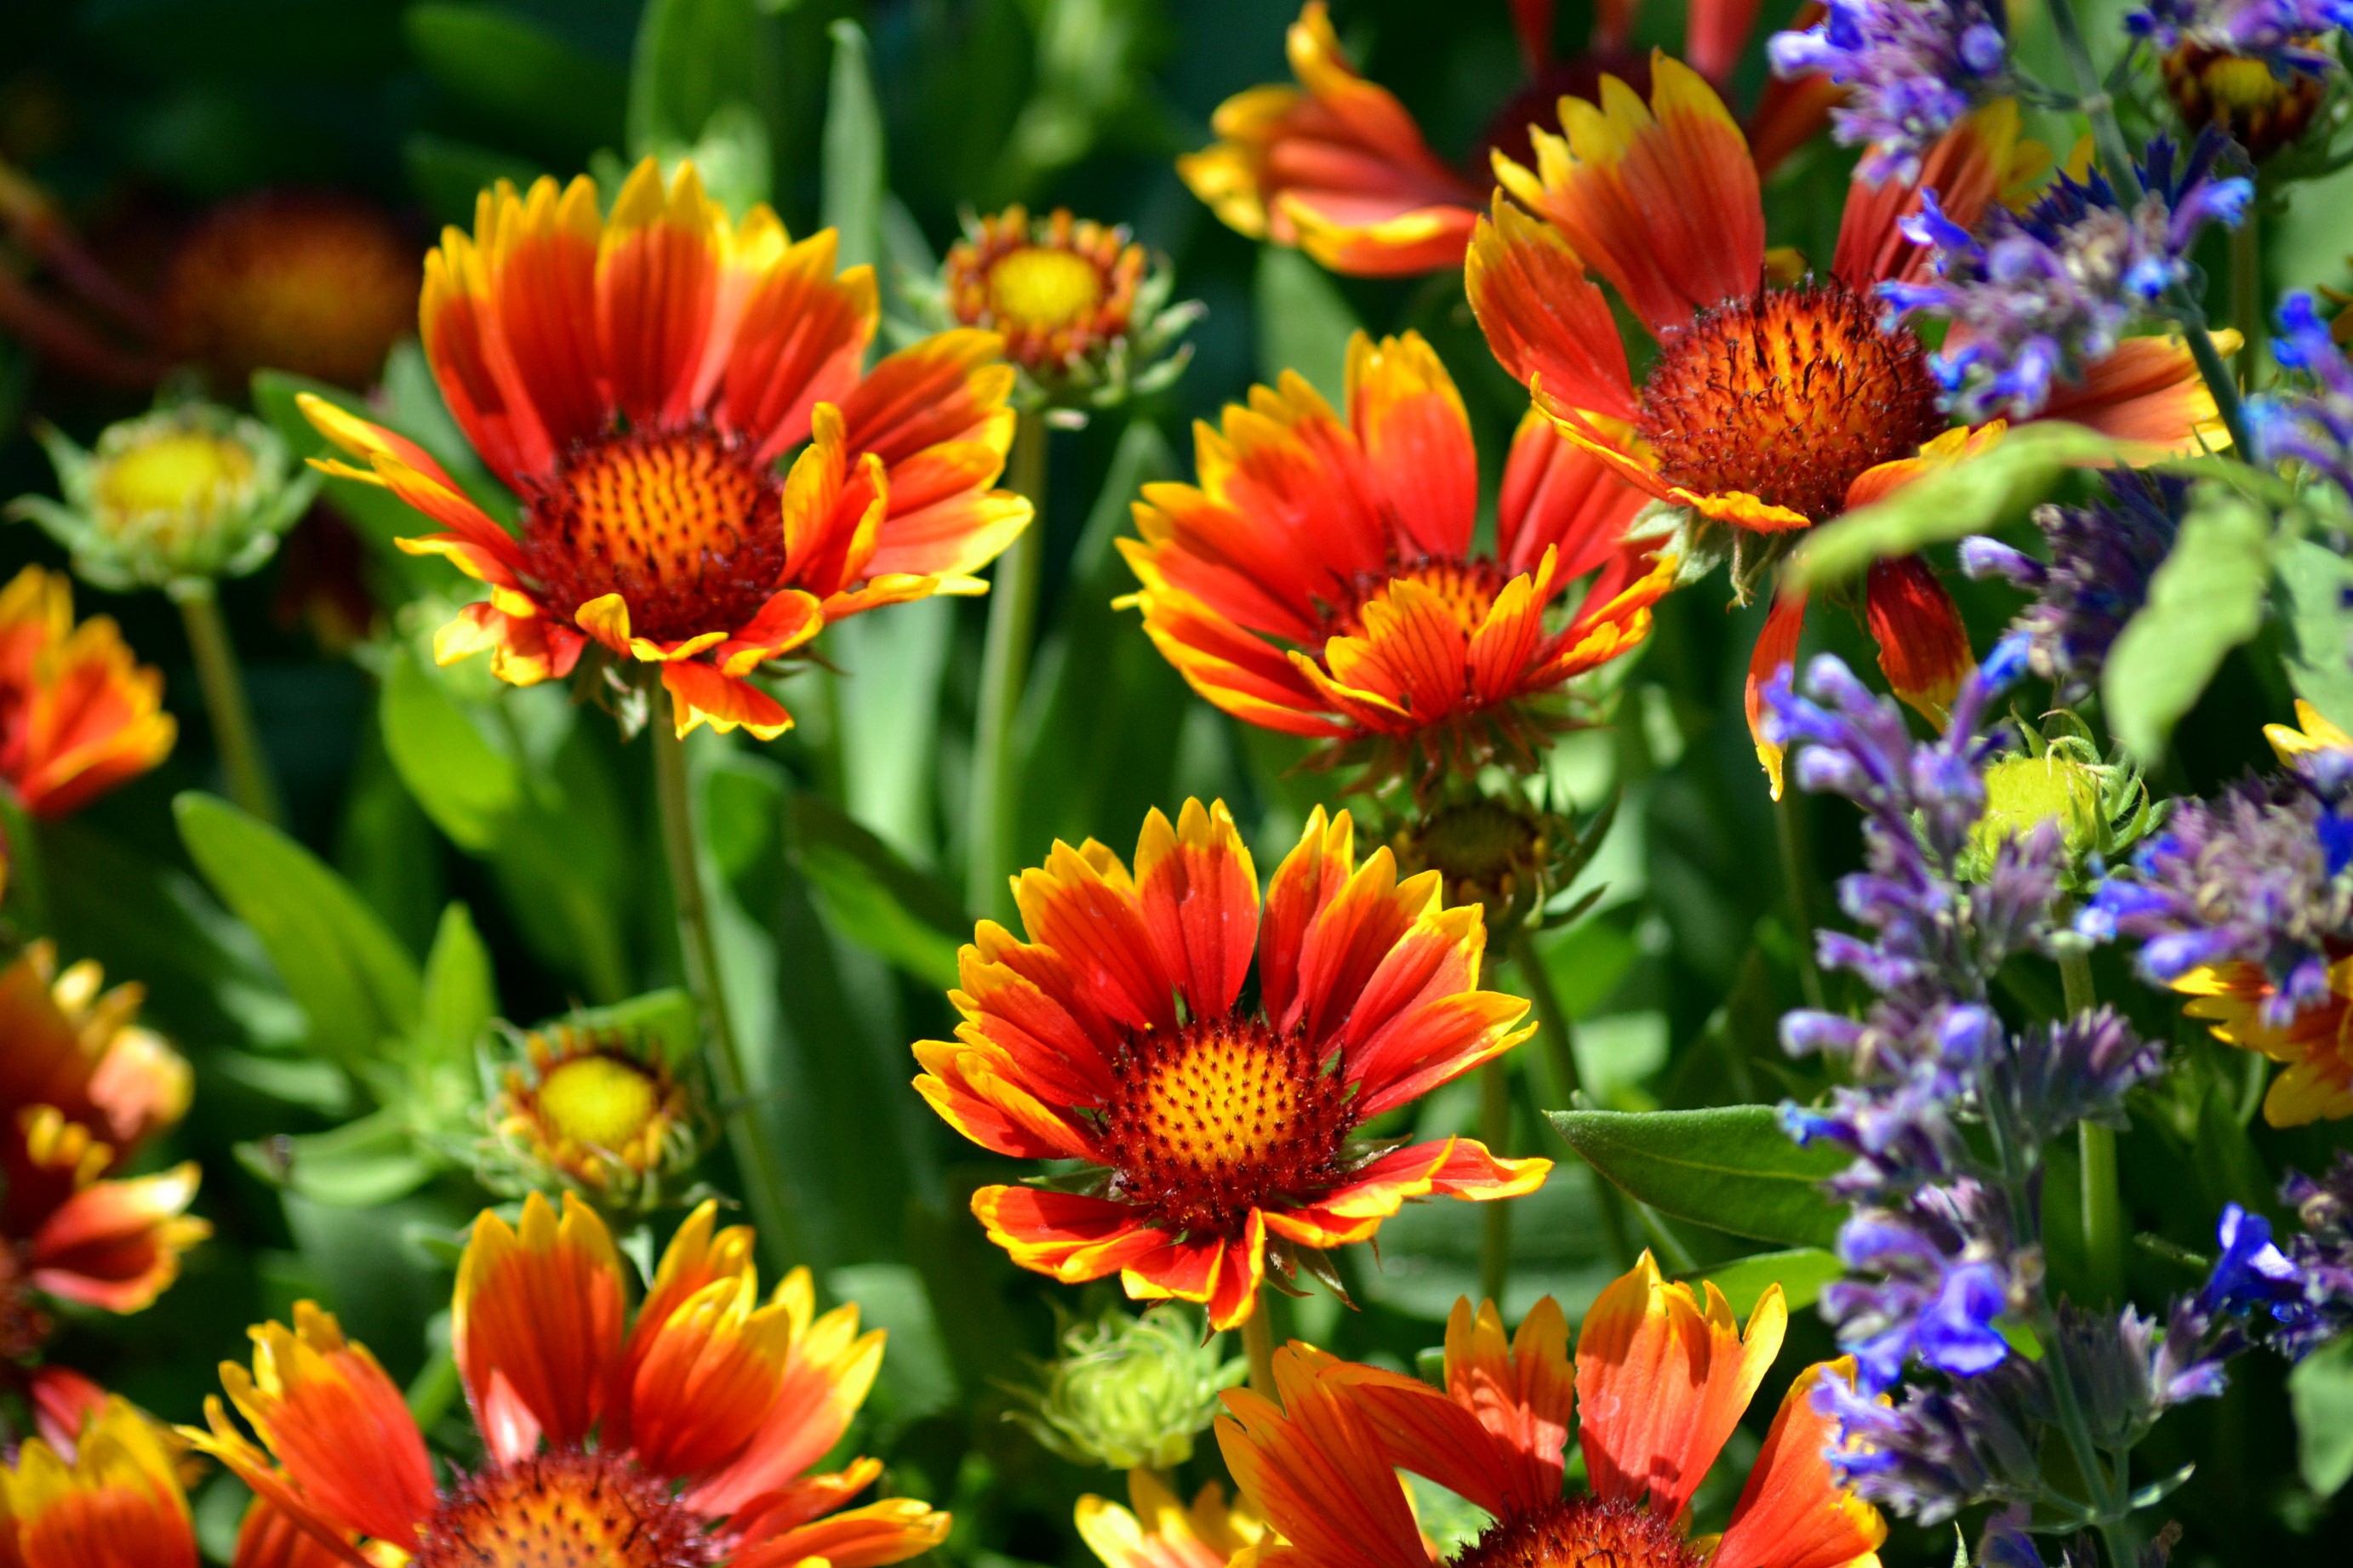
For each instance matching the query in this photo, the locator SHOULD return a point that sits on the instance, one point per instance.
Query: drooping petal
(1793, 1513)
(1071, 1237)
(1924, 649)
(701, 695)
(1776, 654)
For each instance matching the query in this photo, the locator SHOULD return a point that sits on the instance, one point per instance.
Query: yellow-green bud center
(2021, 792)
(1037, 286)
(186, 472)
(599, 1101)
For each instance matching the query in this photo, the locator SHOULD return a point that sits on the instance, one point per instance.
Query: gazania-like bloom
(1215, 1130)
(636, 378)
(1160, 1531)
(1659, 1383)
(82, 1088)
(1770, 407)
(677, 1439)
(1083, 312)
(606, 1110)
(78, 715)
(1337, 167)
(306, 281)
(1320, 579)
(111, 1500)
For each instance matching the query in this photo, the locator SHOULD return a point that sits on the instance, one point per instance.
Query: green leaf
(851, 164)
(2205, 600)
(873, 897)
(470, 788)
(558, 97)
(1730, 1168)
(1974, 495)
(351, 977)
(694, 59)
(1304, 323)
(1801, 1272)
(891, 1297)
(2314, 581)
(461, 994)
(360, 1164)
(2320, 1391)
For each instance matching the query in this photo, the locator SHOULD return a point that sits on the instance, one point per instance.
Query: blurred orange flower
(78, 715)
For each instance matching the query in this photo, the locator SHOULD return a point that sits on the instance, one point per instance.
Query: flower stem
(773, 1210)
(1003, 672)
(2108, 136)
(1495, 1217)
(2247, 293)
(247, 771)
(1558, 1035)
(1257, 1343)
(2104, 1226)
(1797, 884)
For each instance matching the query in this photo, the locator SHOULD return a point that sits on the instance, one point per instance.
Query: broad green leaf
(360, 1164)
(692, 60)
(556, 97)
(1974, 495)
(351, 977)
(887, 702)
(460, 996)
(470, 788)
(1730, 1168)
(1304, 322)
(891, 1297)
(2205, 600)
(2320, 1391)
(2314, 582)
(873, 897)
(1801, 1272)
(853, 163)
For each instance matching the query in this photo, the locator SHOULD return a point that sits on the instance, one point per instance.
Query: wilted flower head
(1912, 69)
(1131, 1393)
(183, 495)
(2102, 557)
(1083, 311)
(606, 1110)
(2312, 423)
(2045, 293)
(313, 282)
(2280, 33)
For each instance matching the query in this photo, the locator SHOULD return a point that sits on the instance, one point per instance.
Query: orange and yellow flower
(1337, 167)
(1216, 1130)
(1659, 1382)
(684, 1435)
(82, 1087)
(110, 1497)
(1320, 579)
(78, 715)
(1768, 407)
(1160, 1531)
(1056, 291)
(636, 377)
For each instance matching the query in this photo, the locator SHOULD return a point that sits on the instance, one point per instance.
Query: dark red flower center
(1788, 395)
(565, 1509)
(1467, 588)
(683, 524)
(1222, 1116)
(1582, 1532)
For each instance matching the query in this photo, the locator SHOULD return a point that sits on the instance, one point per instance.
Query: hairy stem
(234, 737)
(1003, 672)
(766, 1191)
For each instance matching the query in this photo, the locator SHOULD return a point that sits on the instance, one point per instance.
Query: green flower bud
(1128, 1392)
(181, 496)
(2102, 808)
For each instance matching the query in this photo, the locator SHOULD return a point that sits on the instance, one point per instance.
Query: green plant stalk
(1495, 1218)
(771, 1201)
(1797, 883)
(247, 770)
(1554, 1028)
(2109, 137)
(1257, 1343)
(1003, 672)
(2103, 1224)
(2247, 293)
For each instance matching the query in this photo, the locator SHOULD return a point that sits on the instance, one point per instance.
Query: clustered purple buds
(2039, 297)
(2280, 33)
(1912, 69)
(2312, 424)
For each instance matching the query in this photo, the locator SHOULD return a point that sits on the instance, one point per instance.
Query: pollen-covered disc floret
(1788, 395)
(683, 524)
(1583, 1532)
(1218, 1117)
(563, 1510)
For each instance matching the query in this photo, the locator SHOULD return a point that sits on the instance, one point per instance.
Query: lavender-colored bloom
(2046, 293)
(2313, 425)
(2276, 32)
(1912, 69)
(2314, 1304)
(2102, 557)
